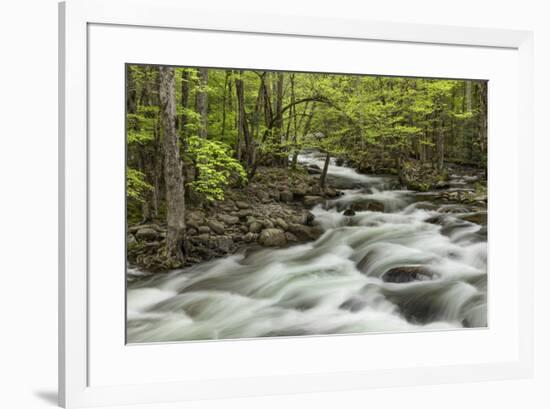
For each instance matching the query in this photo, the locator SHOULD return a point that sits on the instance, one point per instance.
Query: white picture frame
(76, 18)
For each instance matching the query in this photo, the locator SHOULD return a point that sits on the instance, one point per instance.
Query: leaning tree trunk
(173, 175)
(202, 102)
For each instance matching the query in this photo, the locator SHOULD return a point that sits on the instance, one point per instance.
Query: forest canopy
(198, 132)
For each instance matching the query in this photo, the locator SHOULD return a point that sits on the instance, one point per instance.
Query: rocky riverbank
(390, 259)
(272, 211)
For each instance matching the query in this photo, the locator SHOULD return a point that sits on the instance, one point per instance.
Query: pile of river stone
(270, 212)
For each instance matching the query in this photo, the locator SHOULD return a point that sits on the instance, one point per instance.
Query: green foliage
(216, 167)
(378, 124)
(141, 125)
(136, 185)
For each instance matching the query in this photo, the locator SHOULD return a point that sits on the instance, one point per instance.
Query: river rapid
(420, 264)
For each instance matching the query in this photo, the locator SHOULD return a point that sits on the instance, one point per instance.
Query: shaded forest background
(193, 134)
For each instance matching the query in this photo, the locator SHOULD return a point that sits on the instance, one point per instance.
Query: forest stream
(419, 263)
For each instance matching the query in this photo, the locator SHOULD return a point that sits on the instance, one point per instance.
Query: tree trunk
(185, 88)
(400, 171)
(468, 96)
(279, 113)
(131, 92)
(291, 118)
(483, 119)
(145, 204)
(202, 102)
(226, 83)
(440, 147)
(243, 123)
(173, 175)
(145, 96)
(305, 132)
(323, 177)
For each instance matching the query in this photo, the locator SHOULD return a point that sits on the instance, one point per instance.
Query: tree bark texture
(173, 175)
(202, 102)
(323, 178)
(185, 89)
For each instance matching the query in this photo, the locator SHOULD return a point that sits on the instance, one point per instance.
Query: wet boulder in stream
(272, 238)
(349, 212)
(407, 274)
(305, 233)
(311, 201)
(370, 205)
(477, 218)
(313, 169)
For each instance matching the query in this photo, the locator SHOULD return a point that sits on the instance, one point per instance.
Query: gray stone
(255, 227)
(406, 274)
(299, 191)
(331, 192)
(229, 220)
(192, 224)
(272, 238)
(217, 227)
(262, 195)
(194, 219)
(369, 205)
(315, 190)
(131, 239)
(477, 218)
(134, 229)
(249, 237)
(203, 237)
(281, 223)
(349, 212)
(304, 233)
(290, 237)
(146, 233)
(286, 196)
(244, 213)
(204, 229)
(307, 218)
(425, 206)
(274, 194)
(311, 201)
(314, 170)
(268, 224)
(242, 205)
(224, 243)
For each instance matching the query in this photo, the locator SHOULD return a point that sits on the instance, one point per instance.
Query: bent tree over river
(420, 262)
(264, 203)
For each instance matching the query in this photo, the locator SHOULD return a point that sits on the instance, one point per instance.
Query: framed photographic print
(264, 204)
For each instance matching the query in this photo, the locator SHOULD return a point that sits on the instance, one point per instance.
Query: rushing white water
(334, 285)
(337, 171)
